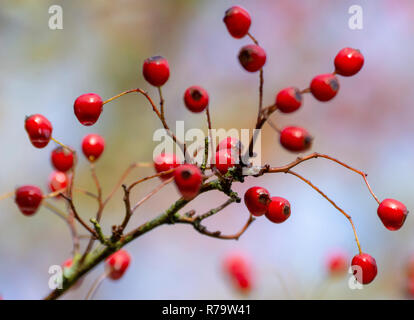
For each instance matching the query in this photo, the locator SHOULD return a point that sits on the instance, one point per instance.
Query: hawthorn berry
(230, 143)
(348, 62)
(336, 263)
(237, 21)
(188, 179)
(278, 210)
(225, 159)
(66, 265)
(28, 198)
(324, 87)
(39, 129)
(392, 213)
(238, 268)
(196, 99)
(156, 70)
(165, 162)
(62, 159)
(289, 100)
(92, 146)
(257, 200)
(117, 263)
(295, 139)
(252, 57)
(58, 180)
(88, 107)
(364, 267)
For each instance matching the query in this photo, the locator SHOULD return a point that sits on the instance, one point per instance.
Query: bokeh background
(101, 49)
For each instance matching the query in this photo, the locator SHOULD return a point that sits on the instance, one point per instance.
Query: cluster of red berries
(238, 269)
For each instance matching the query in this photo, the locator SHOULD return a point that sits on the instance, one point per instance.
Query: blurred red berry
(348, 62)
(278, 210)
(39, 130)
(289, 100)
(230, 143)
(165, 162)
(62, 159)
(237, 21)
(324, 87)
(239, 270)
(337, 263)
(392, 213)
(196, 99)
(410, 288)
(117, 263)
(295, 139)
(364, 268)
(58, 180)
(225, 159)
(88, 107)
(28, 198)
(188, 179)
(252, 57)
(257, 200)
(156, 70)
(92, 146)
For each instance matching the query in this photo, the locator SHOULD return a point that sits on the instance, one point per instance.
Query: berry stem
(62, 144)
(7, 195)
(54, 194)
(96, 285)
(253, 38)
(163, 173)
(273, 126)
(161, 104)
(149, 195)
(332, 202)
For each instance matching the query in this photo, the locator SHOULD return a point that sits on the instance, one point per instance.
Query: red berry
(324, 87)
(238, 268)
(92, 146)
(28, 199)
(295, 139)
(165, 162)
(257, 200)
(410, 288)
(237, 21)
(336, 263)
(392, 214)
(278, 210)
(88, 108)
(252, 57)
(117, 263)
(39, 130)
(62, 159)
(230, 143)
(188, 179)
(67, 263)
(196, 99)
(364, 267)
(348, 62)
(289, 100)
(156, 70)
(57, 181)
(225, 159)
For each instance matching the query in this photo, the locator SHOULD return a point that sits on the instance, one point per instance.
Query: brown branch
(161, 104)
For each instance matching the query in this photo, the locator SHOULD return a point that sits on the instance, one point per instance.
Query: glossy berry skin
(92, 146)
(295, 139)
(58, 180)
(88, 107)
(289, 100)
(257, 200)
(237, 21)
(324, 87)
(238, 268)
(62, 159)
(278, 210)
(28, 198)
(337, 264)
(156, 71)
(348, 62)
(165, 162)
(252, 57)
(188, 179)
(117, 263)
(230, 143)
(392, 214)
(39, 130)
(225, 159)
(196, 99)
(364, 267)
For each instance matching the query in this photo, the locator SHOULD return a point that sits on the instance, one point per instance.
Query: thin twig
(7, 195)
(161, 104)
(96, 285)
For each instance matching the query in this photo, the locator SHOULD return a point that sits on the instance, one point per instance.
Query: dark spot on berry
(196, 94)
(298, 95)
(186, 174)
(286, 210)
(264, 198)
(155, 58)
(333, 83)
(308, 141)
(245, 56)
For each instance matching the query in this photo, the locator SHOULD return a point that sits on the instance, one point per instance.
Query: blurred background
(101, 49)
